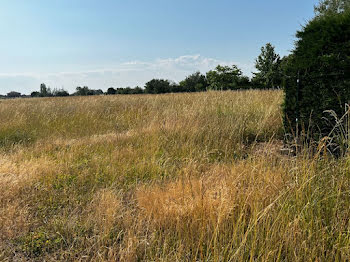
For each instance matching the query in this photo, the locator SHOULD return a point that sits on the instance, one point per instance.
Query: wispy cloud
(130, 73)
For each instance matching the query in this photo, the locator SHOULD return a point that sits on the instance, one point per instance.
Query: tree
(60, 92)
(13, 94)
(137, 90)
(81, 91)
(268, 66)
(157, 86)
(121, 91)
(111, 91)
(43, 90)
(224, 77)
(331, 7)
(194, 83)
(127, 90)
(92, 92)
(244, 82)
(317, 75)
(35, 94)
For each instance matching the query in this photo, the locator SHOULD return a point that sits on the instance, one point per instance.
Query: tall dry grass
(176, 177)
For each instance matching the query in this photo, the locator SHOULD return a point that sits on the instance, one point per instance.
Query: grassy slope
(180, 177)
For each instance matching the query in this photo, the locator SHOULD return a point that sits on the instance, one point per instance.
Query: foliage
(111, 91)
(81, 91)
(137, 90)
(157, 86)
(60, 92)
(329, 7)
(35, 94)
(85, 91)
(224, 78)
(244, 82)
(13, 94)
(194, 83)
(321, 64)
(268, 65)
(45, 91)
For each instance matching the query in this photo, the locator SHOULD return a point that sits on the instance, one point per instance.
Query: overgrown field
(185, 177)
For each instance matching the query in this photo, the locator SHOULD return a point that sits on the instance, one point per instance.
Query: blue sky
(103, 43)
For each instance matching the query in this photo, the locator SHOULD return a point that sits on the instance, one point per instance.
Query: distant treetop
(331, 7)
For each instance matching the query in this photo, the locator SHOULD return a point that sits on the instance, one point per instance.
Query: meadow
(174, 177)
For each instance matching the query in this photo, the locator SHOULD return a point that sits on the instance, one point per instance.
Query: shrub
(85, 91)
(35, 94)
(60, 92)
(137, 90)
(194, 83)
(268, 65)
(111, 91)
(224, 77)
(317, 74)
(157, 86)
(13, 94)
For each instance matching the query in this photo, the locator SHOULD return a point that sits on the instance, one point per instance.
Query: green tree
(268, 66)
(137, 90)
(43, 90)
(317, 74)
(331, 7)
(85, 91)
(35, 94)
(60, 92)
(157, 86)
(81, 91)
(111, 91)
(244, 82)
(92, 92)
(194, 83)
(224, 77)
(13, 94)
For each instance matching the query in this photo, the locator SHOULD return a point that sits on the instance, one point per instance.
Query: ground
(175, 177)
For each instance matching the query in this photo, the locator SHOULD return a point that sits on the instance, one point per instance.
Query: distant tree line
(47, 92)
(271, 70)
(269, 75)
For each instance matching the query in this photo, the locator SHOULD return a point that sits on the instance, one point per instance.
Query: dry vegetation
(185, 177)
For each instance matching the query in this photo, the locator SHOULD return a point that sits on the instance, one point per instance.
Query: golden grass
(212, 197)
(175, 177)
(15, 178)
(104, 210)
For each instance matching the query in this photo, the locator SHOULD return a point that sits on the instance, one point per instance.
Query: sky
(119, 43)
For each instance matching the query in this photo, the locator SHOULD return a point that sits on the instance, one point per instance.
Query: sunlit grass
(176, 177)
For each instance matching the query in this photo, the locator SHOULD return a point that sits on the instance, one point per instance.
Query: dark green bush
(194, 83)
(321, 63)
